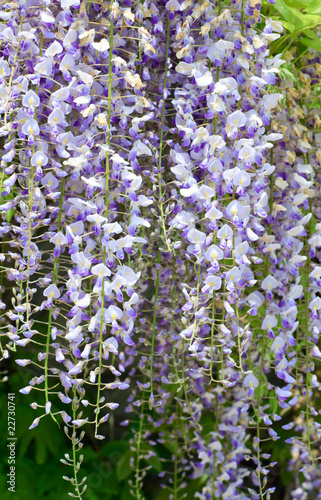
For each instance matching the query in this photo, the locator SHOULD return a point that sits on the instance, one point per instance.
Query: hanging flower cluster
(161, 230)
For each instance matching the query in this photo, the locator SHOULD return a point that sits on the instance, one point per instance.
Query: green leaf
(154, 461)
(171, 446)
(311, 34)
(311, 43)
(113, 490)
(286, 74)
(288, 13)
(24, 443)
(9, 214)
(113, 448)
(274, 405)
(90, 455)
(94, 497)
(125, 493)
(123, 468)
(313, 7)
(298, 4)
(310, 20)
(41, 452)
(315, 104)
(313, 223)
(288, 26)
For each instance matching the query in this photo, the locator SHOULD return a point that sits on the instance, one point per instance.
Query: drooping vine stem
(161, 209)
(258, 415)
(262, 353)
(13, 69)
(54, 280)
(74, 446)
(307, 298)
(107, 174)
(160, 158)
(154, 322)
(138, 442)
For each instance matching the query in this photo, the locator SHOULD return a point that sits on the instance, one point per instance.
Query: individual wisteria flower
(251, 382)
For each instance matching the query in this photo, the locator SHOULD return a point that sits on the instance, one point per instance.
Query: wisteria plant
(161, 236)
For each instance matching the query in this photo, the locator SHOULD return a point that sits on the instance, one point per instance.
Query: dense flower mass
(161, 235)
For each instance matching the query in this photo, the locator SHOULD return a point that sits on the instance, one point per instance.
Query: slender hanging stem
(162, 139)
(54, 278)
(111, 38)
(162, 211)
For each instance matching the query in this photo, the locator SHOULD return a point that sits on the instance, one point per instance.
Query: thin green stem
(162, 139)
(154, 319)
(12, 74)
(212, 337)
(175, 479)
(111, 38)
(161, 210)
(139, 438)
(54, 278)
(258, 434)
(307, 297)
(73, 440)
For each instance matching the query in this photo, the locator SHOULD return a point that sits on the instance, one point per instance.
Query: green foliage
(38, 451)
(123, 469)
(314, 44)
(298, 4)
(299, 18)
(286, 74)
(39, 470)
(287, 13)
(313, 6)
